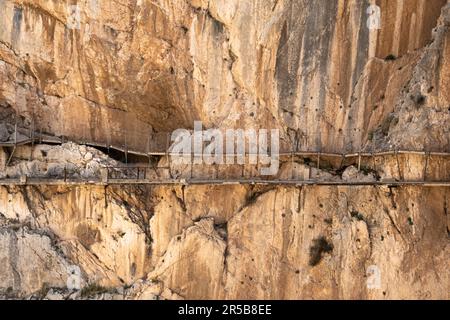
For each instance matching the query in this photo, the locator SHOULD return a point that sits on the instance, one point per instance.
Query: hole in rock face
(419, 99)
(222, 230)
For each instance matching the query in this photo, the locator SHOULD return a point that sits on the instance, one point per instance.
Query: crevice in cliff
(29, 202)
(14, 254)
(391, 218)
(181, 200)
(360, 217)
(140, 212)
(254, 193)
(42, 11)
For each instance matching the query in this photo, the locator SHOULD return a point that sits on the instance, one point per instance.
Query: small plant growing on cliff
(358, 216)
(92, 290)
(43, 291)
(370, 135)
(390, 57)
(390, 120)
(319, 247)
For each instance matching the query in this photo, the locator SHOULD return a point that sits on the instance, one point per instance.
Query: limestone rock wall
(310, 68)
(251, 243)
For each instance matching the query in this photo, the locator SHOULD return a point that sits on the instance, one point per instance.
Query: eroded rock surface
(130, 70)
(279, 243)
(310, 68)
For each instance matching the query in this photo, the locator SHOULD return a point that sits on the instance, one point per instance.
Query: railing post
(23, 179)
(167, 143)
(359, 161)
(398, 166)
(292, 165)
(148, 150)
(342, 161)
(15, 134)
(104, 175)
(32, 132)
(318, 160)
(126, 149)
(168, 154)
(373, 162)
(427, 156)
(31, 138)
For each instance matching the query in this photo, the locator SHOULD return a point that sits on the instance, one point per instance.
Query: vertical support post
(167, 143)
(318, 160)
(83, 136)
(168, 155)
(126, 149)
(148, 150)
(359, 161)
(400, 176)
(216, 166)
(105, 175)
(373, 161)
(32, 138)
(427, 156)
(32, 132)
(65, 173)
(292, 165)
(342, 161)
(14, 148)
(15, 134)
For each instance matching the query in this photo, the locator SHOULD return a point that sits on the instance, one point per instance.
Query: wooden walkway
(186, 182)
(23, 136)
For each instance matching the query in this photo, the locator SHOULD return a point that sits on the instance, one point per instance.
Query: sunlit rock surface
(133, 69)
(310, 68)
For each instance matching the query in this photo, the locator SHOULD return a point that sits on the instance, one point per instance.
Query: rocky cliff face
(119, 71)
(251, 243)
(310, 68)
